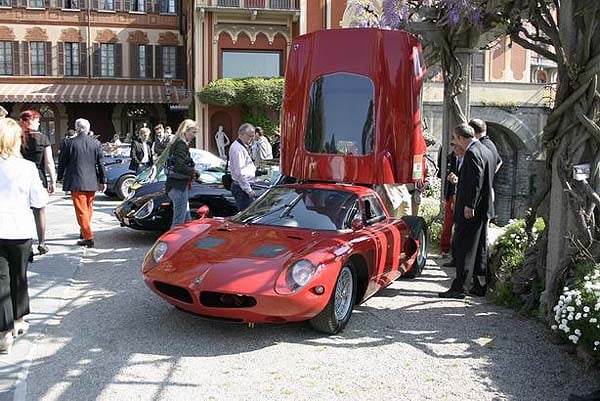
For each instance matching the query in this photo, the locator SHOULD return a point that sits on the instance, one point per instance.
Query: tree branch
(532, 46)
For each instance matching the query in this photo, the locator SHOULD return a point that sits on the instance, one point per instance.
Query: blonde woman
(181, 171)
(20, 190)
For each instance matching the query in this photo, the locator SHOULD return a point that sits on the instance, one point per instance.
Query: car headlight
(145, 210)
(159, 251)
(300, 273)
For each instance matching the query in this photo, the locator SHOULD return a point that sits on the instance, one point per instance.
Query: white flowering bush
(577, 314)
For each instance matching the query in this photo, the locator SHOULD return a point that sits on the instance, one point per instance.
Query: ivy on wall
(260, 98)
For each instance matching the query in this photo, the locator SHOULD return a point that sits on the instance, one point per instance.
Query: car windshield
(211, 168)
(308, 208)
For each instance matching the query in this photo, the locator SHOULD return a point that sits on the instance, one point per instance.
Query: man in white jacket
(243, 170)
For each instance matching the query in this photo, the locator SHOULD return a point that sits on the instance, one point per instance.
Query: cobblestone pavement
(99, 334)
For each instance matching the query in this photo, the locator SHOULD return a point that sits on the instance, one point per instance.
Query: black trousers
(470, 250)
(14, 298)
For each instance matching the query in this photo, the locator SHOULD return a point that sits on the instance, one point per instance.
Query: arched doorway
(220, 118)
(505, 182)
(135, 117)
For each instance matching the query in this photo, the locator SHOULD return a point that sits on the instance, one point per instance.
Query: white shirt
(262, 150)
(20, 190)
(243, 170)
(146, 148)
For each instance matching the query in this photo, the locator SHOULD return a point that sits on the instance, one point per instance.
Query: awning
(90, 93)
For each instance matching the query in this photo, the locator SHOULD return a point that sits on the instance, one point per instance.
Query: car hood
(148, 189)
(227, 256)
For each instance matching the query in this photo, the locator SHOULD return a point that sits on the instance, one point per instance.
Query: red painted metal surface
(392, 61)
(232, 266)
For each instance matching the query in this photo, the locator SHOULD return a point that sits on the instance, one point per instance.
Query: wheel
(418, 230)
(123, 185)
(334, 317)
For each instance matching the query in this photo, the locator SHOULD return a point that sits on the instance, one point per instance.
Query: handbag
(172, 173)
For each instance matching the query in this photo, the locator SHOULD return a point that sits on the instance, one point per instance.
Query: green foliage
(507, 256)
(577, 314)
(430, 211)
(262, 120)
(434, 190)
(252, 93)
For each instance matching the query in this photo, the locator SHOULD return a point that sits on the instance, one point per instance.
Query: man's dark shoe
(452, 294)
(477, 291)
(452, 263)
(88, 243)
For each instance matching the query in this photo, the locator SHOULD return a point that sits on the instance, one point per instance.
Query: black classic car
(149, 207)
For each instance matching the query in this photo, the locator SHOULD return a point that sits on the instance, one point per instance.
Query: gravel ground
(117, 341)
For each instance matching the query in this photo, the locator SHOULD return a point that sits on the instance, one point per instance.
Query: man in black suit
(82, 172)
(474, 207)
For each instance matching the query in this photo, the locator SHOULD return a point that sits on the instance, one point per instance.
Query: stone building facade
(118, 63)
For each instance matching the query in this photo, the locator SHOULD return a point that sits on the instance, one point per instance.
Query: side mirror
(203, 211)
(357, 223)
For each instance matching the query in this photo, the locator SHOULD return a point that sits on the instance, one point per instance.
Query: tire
(122, 187)
(418, 230)
(336, 314)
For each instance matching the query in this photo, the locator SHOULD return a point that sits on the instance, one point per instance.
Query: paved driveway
(99, 334)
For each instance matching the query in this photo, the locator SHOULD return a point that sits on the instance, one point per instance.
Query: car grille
(223, 300)
(173, 291)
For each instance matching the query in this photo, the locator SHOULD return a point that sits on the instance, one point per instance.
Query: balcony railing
(255, 4)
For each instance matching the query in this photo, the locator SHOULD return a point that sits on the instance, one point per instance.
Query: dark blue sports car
(119, 177)
(149, 207)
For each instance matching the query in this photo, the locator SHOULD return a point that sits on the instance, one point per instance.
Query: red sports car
(300, 252)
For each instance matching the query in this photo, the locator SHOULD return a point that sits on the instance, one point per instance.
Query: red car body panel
(392, 61)
(231, 263)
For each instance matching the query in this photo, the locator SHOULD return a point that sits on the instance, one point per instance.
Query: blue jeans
(242, 199)
(181, 206)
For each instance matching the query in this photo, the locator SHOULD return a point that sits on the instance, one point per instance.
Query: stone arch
(511, 122)
(36, 34)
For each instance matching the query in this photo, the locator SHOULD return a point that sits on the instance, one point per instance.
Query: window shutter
(133, 61)
(83, 60)
(25, 58)
(127, 5)
(159, 62)
(177, 6)
(15, 3)
(118, 60)
(478, 66)
(46, 4)
(16, 59)
(96, 60)
(94, 4)
(60, 56)
(48, 59)
(149, 61)
(180, 63)
(149, 6)
(117, 5)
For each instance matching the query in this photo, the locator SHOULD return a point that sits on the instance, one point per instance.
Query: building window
(168, 7)
(71, 4)
(5, 3)
(341, 118)
(72, 61)
(106, 5)
(142, 61)
(38, 59)
(240, 64)
(107, 60)
(169, 61)
(6, 58)
(138, 5)
(35, 3)
(478, 66)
